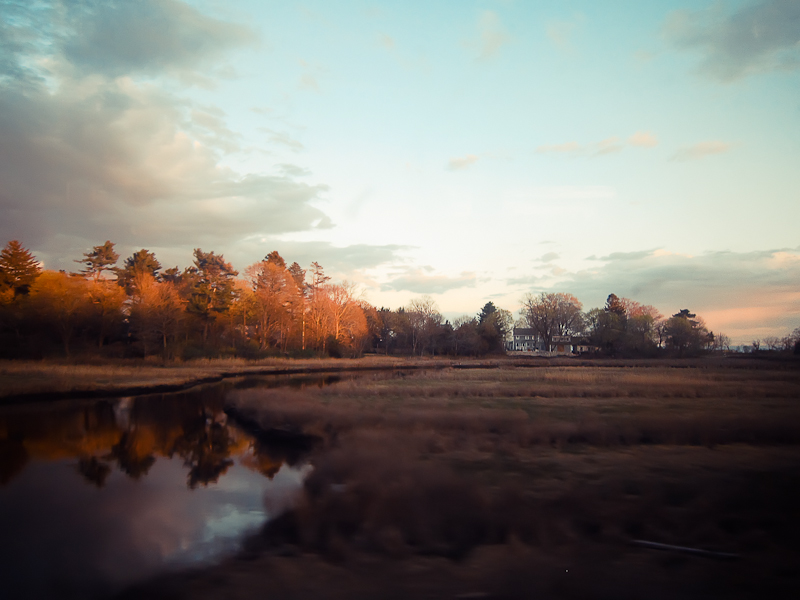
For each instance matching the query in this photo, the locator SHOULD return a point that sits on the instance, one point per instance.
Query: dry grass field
(531, 483)
(25, 380)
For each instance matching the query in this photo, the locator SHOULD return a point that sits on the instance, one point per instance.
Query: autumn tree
(347, 325)
(62, 302)
(642, 326)
(275, 296)
(315, 325)
(552, 314)
(106, 308)
(101, 258)
(623, 326)
(156, 314)
(18, 269)
(374, 321)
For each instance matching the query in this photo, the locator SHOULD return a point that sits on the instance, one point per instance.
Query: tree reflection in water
(132, 456)
(206, 449)
(132, 434)
(195, 480)
(93, 470)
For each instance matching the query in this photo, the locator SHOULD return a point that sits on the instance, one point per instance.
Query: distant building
(561, 344)
(581, 345)
(525, 339)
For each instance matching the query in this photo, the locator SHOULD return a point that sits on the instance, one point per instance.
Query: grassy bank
(531, 482)
(51, 379)
(23, 380)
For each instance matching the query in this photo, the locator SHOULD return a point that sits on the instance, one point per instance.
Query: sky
(472, 151)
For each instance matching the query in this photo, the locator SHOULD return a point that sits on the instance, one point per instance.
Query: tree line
(623, 327)
(138, 308)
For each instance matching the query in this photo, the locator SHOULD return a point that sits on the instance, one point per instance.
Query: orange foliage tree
(61, 301)
(157, 313)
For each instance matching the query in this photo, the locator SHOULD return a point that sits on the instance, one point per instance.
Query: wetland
(507, 482)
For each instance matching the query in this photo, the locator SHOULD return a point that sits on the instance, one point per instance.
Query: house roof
(524, 331)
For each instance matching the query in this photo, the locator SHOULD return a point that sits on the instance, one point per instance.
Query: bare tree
(423, 317)
(722, 342)
(553, 314)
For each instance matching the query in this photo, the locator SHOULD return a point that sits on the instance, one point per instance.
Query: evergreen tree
(18, 269)
(488, 309)
(101, 258)
(213, 289)
(299, 276)
(615, 306)
(275, 259)
(140, 263)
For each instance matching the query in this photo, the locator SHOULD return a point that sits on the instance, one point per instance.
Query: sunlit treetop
(18, 268)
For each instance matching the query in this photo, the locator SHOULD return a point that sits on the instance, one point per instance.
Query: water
(97, 495)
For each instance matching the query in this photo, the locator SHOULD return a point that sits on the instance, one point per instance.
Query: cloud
(308, 83)
(610, 145)
(210, 129)
(644, 56)
(419, 281)
(526, 280)
(458, 163)
(283, 138)
(386, 41)
(492, 35)
(92, 148)
(561, 32)
(744, 295)
(643, 139)
(549, 257)
(700, 150)
(338, 261)
(147, 36)
(618, 256)
(607, 146)
(566, 148)
(308, 80)
(293, 170)
(757, 38)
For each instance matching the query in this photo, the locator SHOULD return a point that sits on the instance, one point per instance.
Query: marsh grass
(559, 462)
(523, 482)
(59, 378)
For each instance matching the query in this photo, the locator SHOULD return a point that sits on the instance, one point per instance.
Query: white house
(524, 339)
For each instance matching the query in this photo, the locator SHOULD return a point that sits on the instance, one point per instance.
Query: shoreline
(44, 381)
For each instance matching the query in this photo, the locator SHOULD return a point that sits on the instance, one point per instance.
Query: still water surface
(97, 495)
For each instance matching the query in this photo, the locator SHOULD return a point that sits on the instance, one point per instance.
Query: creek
(97, 495)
